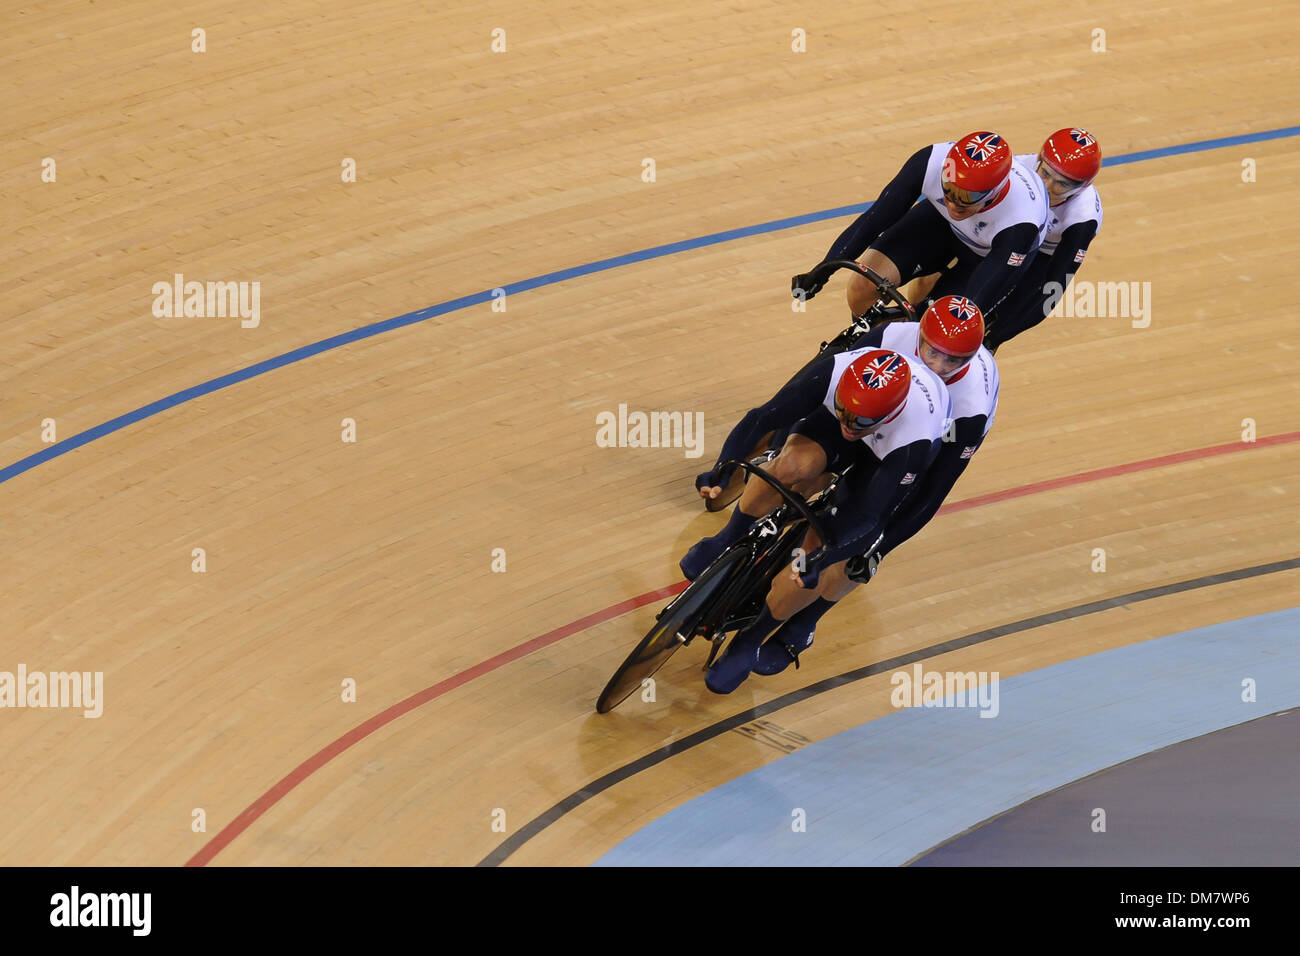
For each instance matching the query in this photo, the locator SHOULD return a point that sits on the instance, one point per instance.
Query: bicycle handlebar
(886, 288)
(793, 498)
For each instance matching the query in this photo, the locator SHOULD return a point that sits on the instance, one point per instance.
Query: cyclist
(878, 410)
(1068, 162)
(977, 206)
(948, 340)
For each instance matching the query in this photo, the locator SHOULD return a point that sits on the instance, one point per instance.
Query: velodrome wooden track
(372, 560)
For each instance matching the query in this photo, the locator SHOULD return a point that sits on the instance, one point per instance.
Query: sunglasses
(1063, 183)
(854, 422)
(963, 197)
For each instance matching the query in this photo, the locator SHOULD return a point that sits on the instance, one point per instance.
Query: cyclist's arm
(863, 510)
(1067, 256)
(799, 397)
(996, 272)
(919, 508)
(894, 200)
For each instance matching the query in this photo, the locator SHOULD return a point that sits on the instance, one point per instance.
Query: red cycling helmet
(954, 325)
(872, 390)
(1074, 156)
(976, 168)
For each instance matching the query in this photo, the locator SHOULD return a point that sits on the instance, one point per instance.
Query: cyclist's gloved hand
(808, 284)
(717, 478)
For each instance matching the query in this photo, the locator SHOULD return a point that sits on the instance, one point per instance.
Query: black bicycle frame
(763, 565)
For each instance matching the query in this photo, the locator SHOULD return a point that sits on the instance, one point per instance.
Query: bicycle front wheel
(674, 627)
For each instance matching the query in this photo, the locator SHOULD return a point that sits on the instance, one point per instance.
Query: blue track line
(1202, 145)
(525, 285)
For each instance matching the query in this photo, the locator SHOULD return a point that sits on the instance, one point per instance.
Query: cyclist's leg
(917, 244)
(773, 442)
(785, 628)
(795, 635)
(918, 290)
(955, 280)
(862, 293)
(803, 610)
(784, 598)
(801, 458)
(835, 584)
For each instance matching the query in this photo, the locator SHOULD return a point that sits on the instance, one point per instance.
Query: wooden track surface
(476, 429)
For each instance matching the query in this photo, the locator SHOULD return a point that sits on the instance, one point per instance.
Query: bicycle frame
(741, 599)
(736, 606)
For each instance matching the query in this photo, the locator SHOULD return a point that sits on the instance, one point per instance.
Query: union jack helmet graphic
(1073, 154)
(954, 325)
(976, 168)
(872, 390)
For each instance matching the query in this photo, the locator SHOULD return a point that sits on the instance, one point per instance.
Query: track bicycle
(728, 595)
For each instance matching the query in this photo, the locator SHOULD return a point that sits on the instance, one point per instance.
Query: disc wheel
(668, 632)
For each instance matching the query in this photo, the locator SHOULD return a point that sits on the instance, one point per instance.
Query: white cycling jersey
(925, 415)
(1025, 201)
(974, 391)
(1083, 206)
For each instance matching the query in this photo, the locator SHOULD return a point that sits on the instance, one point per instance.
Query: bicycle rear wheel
(673, 628)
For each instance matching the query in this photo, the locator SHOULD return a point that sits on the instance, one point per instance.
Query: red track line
(1085, 476)
(332, 750)
(328, 753)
